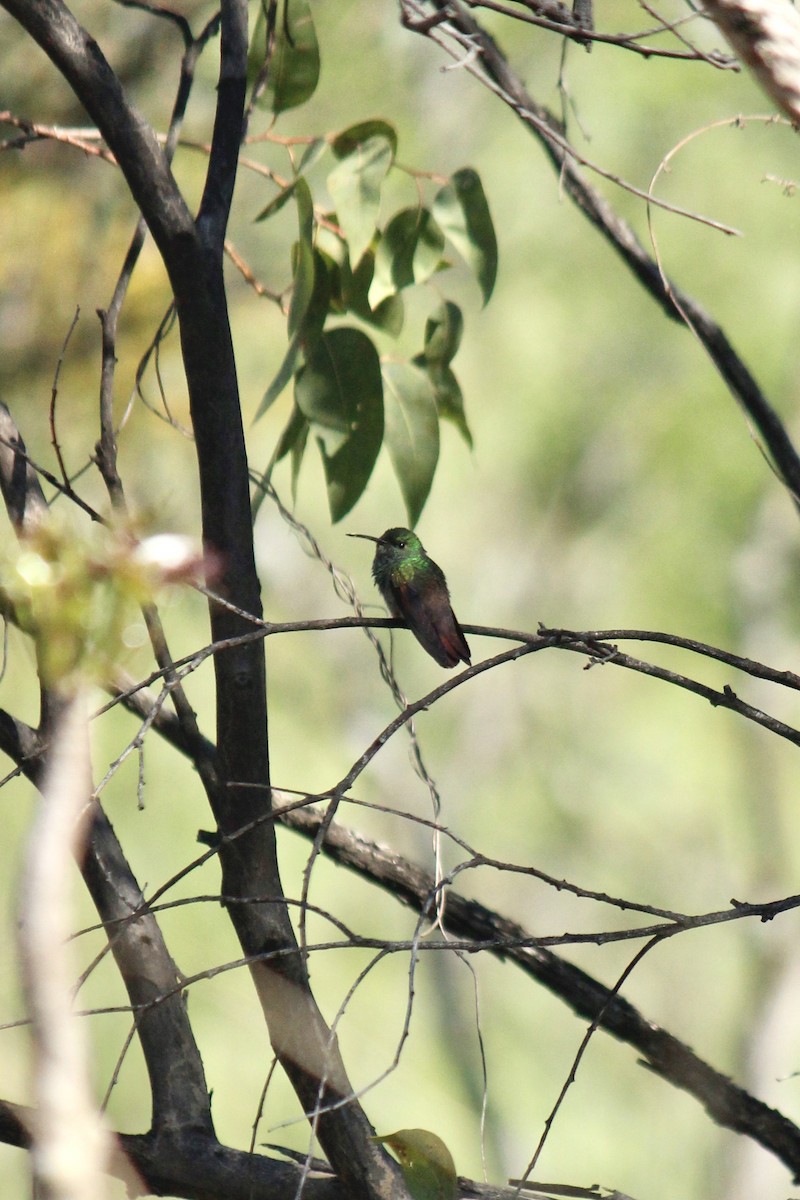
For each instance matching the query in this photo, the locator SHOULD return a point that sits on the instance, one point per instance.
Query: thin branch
(16, 446)
(599, 653)
(495, 69)
(594, 1025)
(106, 449)
(85, 140)
(567, 27)
(180, 1094)
(54, 398)
(727, 1104)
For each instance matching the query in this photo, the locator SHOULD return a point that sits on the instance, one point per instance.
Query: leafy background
(612, 483)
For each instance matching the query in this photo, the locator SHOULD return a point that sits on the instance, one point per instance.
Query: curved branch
(175, 1068)
(557, 19)
(193, 257)
(726, 1103)
(174, 1065)
(80, 60)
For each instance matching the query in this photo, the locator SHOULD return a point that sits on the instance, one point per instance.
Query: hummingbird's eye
(401, 545)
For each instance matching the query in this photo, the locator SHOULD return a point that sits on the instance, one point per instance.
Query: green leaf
(426, 1163)
(307, 332)
(277, 202)
(292, 440)
(349, 139)
(292, 433)
(443, 331)
(257, 49)
(302, 293)
(282, 376)
(388, 315)
(293, 71)
(412, 433)
(302, 284)
(350, 293)
(450, 400)
(461, 209)
(296, 450)
(310, 301)
(305, 210)
(312, 153)
(303, 258)
(447, 390)
(409, 251)
(339, 392)
(320, 304)
(355, 185)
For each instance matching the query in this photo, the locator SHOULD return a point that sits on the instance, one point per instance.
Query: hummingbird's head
(394, 547)
(396, 543)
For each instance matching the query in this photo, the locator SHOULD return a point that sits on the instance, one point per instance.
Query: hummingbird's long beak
(366, 536)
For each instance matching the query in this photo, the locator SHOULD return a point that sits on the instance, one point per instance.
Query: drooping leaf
(312, 153)
(277, 202)
(449, 399)
(443, 331)
(304, 335)
(293, 71)
(462, 210)
(292, 433)
(409, 251)
(350, 293)
(388, 315)
(302, 284)
(257, 48)
(339, 392)
(282, 376)
(356, 283)
(346, 142)
(355, 185)
(349, 287)
(296, 450)
(320, 303)
(426, 1163)
(309, 301)
(292, 440)
(412, 432)
(305, 210)
(303, 255)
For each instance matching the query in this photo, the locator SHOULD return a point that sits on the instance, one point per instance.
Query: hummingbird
(415, 591)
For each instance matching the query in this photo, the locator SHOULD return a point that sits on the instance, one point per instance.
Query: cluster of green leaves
(349, 262)
(73, 591)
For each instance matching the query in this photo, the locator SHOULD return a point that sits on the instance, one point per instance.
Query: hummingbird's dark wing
(428, 614)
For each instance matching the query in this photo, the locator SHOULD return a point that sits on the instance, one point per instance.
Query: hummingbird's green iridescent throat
(415, 591)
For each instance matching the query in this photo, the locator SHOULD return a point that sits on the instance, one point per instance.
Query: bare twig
(54, 398)
(676, 304)
(564, 24)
